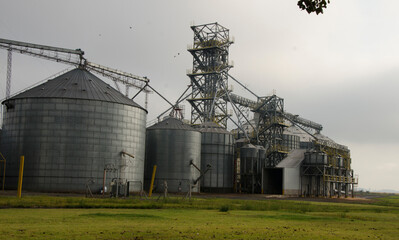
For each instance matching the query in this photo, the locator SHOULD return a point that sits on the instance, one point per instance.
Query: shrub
(224, 208)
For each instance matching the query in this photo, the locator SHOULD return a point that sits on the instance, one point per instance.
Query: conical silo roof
(249, 150)
(77, 84)
(172, 123)
(211, 127)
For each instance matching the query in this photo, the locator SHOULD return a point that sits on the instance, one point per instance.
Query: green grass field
(44, 217)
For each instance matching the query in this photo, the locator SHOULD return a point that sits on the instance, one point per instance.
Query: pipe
(243, 86)
(125, 153)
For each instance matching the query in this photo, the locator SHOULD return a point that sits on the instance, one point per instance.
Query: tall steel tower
(209, 74)
(270, 123)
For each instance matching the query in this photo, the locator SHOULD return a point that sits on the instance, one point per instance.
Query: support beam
(9, 66)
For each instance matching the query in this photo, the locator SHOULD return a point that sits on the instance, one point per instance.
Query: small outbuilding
(285, 178)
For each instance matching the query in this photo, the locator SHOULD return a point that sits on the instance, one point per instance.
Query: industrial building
(79, 132)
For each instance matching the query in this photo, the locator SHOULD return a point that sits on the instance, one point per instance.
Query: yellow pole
(152, 180)
(4, 169)
(21, 172)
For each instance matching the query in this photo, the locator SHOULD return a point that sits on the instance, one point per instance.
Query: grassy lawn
(42, 217)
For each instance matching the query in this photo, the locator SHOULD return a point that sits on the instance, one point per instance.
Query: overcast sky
(339, 69)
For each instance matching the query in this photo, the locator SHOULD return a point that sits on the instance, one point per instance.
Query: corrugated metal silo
(291, 142)
(262, 159)
(173, 146)
(295, 138)
(69, 128)
(217, 150)
(249, 156)
(315, 158)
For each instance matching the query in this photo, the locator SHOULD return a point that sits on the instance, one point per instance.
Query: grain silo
(69, 129)
(249, 156)
(262, 159)
(217, 152)
(175, 148)
(290, 142)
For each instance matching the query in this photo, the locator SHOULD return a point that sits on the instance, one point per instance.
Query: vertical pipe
(262, 186)
(189, 191)
(339, 183)
(152, 180)
(117, 183)
(332, 173)
(325, 188)
(253, 176)
(300, 180)
(104, 176)
(21, 172)
(4, 174)
(165, 188)
(9, 67)
(146, 100)
(324, 182)
(282, 181)
(235, 175)
(126, 182)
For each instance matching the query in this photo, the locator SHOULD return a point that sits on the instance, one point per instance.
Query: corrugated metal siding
(172, 150)
(67, 142)
(217, 150)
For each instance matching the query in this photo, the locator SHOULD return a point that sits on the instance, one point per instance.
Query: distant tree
(313, 5)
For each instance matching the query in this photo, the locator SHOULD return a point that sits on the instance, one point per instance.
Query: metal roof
(293, 159)
(249, 145)
(296, 131)
(77, 84)
(211, 127)
(172, 123)
(259, 147)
